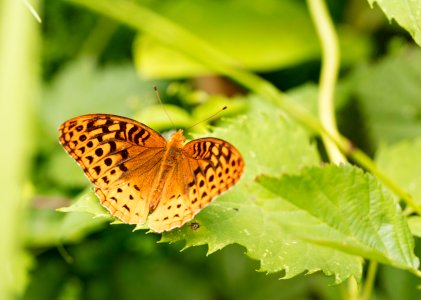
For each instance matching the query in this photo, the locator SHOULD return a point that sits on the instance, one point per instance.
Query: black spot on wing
(99, 152)
(124, 154)
(123, 168)
(108, 161)
(113, 146)
(97, 169)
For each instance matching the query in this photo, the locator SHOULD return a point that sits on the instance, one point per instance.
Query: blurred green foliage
(280, 32)
(92, 64)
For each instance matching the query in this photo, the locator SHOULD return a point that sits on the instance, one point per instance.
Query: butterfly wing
(207, 168)
(120, 156)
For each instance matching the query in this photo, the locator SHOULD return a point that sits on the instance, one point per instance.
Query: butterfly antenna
(162, 105)
(210, 117)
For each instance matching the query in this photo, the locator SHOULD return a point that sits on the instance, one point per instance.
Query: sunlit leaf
(414, 223)
(405, 12)
(402, 163)
(83, 88)
(389, 94)
(347, 210)
(252, 216)
(244, 30)
(241, 29)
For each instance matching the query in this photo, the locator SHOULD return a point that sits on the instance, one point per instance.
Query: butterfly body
(140, 177)
(173, 153)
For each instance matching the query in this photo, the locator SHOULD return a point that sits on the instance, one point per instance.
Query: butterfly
(141, 178)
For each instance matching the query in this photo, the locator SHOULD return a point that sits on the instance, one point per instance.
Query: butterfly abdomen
(173, 153)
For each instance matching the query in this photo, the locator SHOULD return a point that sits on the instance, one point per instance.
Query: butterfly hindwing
(209, 167)
(214, 165)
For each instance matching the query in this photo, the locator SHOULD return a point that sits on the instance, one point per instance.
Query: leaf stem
(163, 30)
(352, 289)
(328, 75)
(369, 281)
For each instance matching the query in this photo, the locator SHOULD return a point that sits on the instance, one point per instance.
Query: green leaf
(87, 202)
(240, 29)
(348, 210)
(83, 88)
(83, 217)
(62, 168)
(389, 94)
(402, 163)
(253, 217)
(396, 284)
(76, 226)
(405, 12)
(156, 117)
(46, 228)
(414, 223)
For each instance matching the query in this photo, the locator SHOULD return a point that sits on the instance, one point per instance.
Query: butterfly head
(178, 138)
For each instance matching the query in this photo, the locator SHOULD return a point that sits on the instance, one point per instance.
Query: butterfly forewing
(112, 151)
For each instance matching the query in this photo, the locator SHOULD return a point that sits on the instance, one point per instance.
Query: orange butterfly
(139, 176)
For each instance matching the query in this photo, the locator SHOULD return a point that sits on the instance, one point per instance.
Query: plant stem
(328, 75)
(328, 79)
(369, 281)
(352, 289)
(172, 35)
(18, 87)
